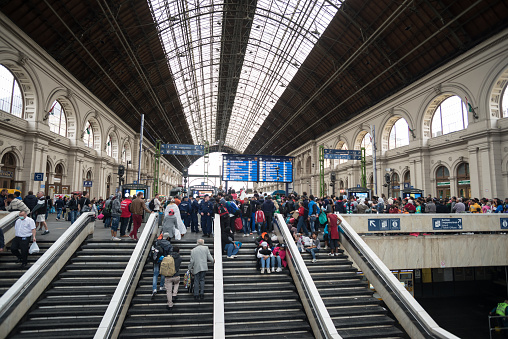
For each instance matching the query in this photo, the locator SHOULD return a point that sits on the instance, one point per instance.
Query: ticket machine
(359, 193)
(412, 193)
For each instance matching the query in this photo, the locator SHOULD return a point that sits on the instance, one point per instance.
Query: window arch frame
(91, 137)
(439, 110)
(394, 129)
(13, 95)
(62, 113)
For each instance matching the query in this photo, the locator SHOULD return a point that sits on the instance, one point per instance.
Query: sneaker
(337, 254)
(124, 236)
(268, 270)
(279, 269)
(162, 288)
(245, 235)
(235, 256)
(326, 247)
(262, 270)
(154, 292)
(330, 254)
(273, 269)
(116, 239)
(231, 257)
(314, 260)
(45, 232)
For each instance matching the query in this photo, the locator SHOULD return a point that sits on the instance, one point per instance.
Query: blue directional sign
(239, 167)
(182, 152)
(446, 223)
(342, 154)
(275, 168)
(38, 176)
(504, 223)
(177, 149)
(384, 224)
(87, 183)
(407, 185)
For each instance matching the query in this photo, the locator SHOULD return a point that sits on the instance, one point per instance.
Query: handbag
(100, 216)
(178, 235)
(295, 215)
(34, 248)
(85, 209)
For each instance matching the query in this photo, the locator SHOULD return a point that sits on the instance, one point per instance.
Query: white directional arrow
(372, 223)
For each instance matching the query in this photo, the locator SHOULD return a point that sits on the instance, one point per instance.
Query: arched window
(11, 100)
(57, 119)
(367, 144)
(109, 146)
(88, 135)
(504, 102)
(399, 134)
(443, 182)
(8, 171)
(344, 147)
(395, 185)
(464, 180)
(450, 116)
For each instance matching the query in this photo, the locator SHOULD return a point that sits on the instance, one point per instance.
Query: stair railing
(7, 225)
(219, 326)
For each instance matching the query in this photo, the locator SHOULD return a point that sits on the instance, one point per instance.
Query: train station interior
(267, 103)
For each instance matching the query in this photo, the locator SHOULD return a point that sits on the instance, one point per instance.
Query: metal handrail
(495, 328)
(219, 326)
(112, 320)
(419, 317)
(7, 224)
(41, 272)
(325, 327)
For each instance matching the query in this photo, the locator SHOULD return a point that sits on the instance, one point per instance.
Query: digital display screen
(130, 193)
(254, 168)
(275, 169)
(239, 167)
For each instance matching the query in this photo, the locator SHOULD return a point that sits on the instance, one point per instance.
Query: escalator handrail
(404, 299)
(219, 326)
(7, 222)
(326, 325)
(35, 273)
(110, 320)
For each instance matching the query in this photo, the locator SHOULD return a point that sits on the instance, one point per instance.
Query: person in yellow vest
(500, 310)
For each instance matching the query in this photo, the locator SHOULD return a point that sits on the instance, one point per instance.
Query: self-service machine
(134, 189)
(412, 193)
(359, 193)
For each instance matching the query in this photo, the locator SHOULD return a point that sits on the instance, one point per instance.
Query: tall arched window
(504, 102)
(88, 135)
(399, 134)
(450, 116)
(443, 182)
(395, 185)
(11, 100)
(57, 119)
(367, 144)
(109, 146)
(464, 180)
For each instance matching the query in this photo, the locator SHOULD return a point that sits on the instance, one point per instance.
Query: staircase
(74, 303)
(189, 318)
(260, 305)
(348, 299)
(10, 271)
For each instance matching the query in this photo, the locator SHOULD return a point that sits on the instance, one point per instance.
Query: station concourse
(392, 115)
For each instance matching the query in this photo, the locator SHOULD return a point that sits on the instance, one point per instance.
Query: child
(265, 254)
(314, 246)
(280, 255)
(260, 220)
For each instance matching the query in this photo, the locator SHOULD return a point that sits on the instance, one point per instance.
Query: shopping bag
(100, 216)
(34, 248)
(178, 235)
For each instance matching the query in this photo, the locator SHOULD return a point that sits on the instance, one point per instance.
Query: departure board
(275, 169)
(239, 167)
(257, 168)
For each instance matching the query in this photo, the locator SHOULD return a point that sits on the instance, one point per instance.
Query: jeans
(58, 213)
(245, 222)
(312, 251)
(199, 283)
(301, 223)
(107, 222)
(171, 285)
(253, 221)
(123, 225)
(277, 259)
(266, 262)
(231, 250)
(114, 223)
(156, 269)
(194, 222)
(312, 222)
(73, 214)
(259, 226)
(20, 248)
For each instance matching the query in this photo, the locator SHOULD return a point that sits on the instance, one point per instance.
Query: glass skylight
(282, 35)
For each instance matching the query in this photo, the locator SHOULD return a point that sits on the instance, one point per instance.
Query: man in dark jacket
(166, 249)
(30, 200)
(3, 200)
(246, 210)
(171, 283)
(268, 209)
(206, 211)
(194, 215)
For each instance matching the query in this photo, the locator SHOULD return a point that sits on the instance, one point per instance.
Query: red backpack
(260, 216)
(222, 210)
(238, 224)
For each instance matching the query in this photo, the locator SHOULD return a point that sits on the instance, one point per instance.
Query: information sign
(38, 176)
(504, 223)
(239, 167)
(342, 154)
(182, 152)
(87, 183)
(275, 169)
(446, 223)
(384, 224)
(183, 147)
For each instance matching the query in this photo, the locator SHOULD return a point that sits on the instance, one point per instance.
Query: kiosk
(359, 193)
(412, 193)
(134, 189)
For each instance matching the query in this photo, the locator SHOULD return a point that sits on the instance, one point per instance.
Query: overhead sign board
(275, 169)
(342, 154)
(182, 152)
(257, 168)
(6, 174)
(384, 224)
(183, 147)
(87, 183)
(446, 224)
(38, 176)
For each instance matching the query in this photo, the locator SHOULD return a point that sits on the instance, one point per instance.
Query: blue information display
(504, 223)
(257, 168)
(239, 167)
(342, 154)
(391, 224)
(446, 224)
(275, 169)
(177, 149)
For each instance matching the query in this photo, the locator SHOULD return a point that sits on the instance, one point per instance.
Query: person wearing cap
(166, 249)
(206, 211)
(194, 214)
(185, 211)
(265, 255)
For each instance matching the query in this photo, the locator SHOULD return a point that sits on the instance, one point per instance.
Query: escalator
(10, 271)
(258, 305)
(189, 318)
(74, 303)
(348, 299)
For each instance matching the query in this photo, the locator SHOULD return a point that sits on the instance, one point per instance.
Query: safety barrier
(116, 312)
(219, 326)
(317, 314)
(25, 292)
(415, 320)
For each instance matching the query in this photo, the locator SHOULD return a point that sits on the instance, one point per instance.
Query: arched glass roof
(232, 62)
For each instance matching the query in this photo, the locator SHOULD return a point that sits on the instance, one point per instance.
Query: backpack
(167, 268)
(233, 207)
(259, 216)
(238, 224)
(315, 209)
(222, 209)
(151, 205)
(322, 218)
(156, 252)
(107, 209)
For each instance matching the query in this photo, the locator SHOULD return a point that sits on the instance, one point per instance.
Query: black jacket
(178, 261)
(30, 201)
